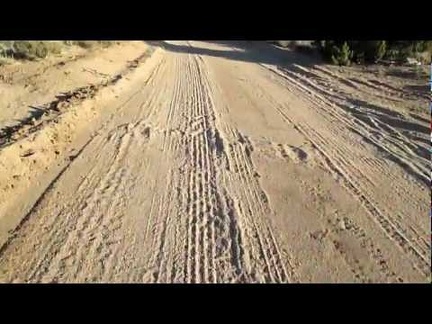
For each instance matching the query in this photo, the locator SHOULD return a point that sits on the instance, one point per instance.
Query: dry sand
(224, 162)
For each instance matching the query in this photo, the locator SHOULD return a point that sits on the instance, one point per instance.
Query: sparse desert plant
(31, 50)
(379, 50)
(5, 52)
(324, 47)
(341, 55)
(374, 51)
(391, 54)
(368, 51)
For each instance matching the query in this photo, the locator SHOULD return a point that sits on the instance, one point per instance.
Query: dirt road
(226, 167)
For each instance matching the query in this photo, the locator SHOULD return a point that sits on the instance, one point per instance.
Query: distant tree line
(344, 52)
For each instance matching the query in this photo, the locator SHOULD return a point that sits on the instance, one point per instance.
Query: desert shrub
(392, 54)
(3, 48)
(372, 51)
(30, 50)
(401, 50)
(367, 51)
(378, 50)
(341, 54)
(422, 46)
(5, 52)
(325, 48)
(335, 51)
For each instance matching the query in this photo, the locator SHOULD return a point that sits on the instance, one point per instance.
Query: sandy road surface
(226, 167)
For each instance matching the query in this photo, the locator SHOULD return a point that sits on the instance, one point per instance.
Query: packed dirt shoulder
(26, 85)
(71, 96)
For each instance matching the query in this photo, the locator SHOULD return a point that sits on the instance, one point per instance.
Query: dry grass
(28, 50)
(31, 50)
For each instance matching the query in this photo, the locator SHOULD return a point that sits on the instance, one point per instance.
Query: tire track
(213, 247)
(389, 145)
(405, 238)
(171, 190)
(93, 219)
(393, 232)
(344, 163)
(241, 172)
(58, 234)
(161, 244)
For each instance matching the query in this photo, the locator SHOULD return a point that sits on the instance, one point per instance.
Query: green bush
(392, 54)
(368, 51)
(379, 50)
(341, 55)
(342, 52)
(325, 48)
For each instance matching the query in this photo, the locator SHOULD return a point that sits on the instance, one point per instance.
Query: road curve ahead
(227, 167)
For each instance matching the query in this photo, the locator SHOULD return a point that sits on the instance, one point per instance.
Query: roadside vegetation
(345, 52)
(32, 50)
(363, 52)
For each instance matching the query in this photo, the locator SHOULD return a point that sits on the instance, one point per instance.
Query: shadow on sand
(246, 51)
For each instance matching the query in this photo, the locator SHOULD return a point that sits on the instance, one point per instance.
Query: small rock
(342, 224)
